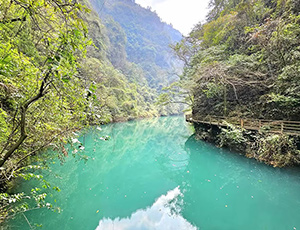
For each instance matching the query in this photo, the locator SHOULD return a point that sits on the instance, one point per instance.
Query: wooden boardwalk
(273, 126)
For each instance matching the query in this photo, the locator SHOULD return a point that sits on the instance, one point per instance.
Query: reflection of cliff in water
(155, 136)
(138, 161)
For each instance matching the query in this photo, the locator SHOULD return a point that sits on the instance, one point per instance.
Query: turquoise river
(153, 174)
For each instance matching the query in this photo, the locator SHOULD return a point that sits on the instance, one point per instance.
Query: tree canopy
(243, 61)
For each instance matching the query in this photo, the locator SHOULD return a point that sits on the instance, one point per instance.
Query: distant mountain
(146, 39)
(126, 79)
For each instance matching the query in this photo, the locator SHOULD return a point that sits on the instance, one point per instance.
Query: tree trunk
(24, 108)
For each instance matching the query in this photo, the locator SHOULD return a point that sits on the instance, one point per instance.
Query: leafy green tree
(42, 100)
(244, 62)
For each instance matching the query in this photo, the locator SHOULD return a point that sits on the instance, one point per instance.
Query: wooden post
(242, 123)
(282, 127)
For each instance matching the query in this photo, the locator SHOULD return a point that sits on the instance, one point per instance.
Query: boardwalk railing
(274, 126)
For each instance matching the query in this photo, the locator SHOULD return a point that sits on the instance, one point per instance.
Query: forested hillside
(136, 43)
(144, 36)
(244, 62)
(245, 59)
(62, 69)
(133, 74)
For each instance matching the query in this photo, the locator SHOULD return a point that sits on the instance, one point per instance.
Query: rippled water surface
(153, 174)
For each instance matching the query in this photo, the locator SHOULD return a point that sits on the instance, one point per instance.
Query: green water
(153, 174)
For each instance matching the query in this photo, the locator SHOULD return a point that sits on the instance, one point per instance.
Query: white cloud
(183, 15)
(164, 214)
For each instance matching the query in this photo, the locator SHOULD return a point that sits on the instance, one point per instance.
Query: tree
(40, 45)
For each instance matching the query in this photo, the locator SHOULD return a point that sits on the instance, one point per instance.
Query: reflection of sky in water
(144, 160)
(164, 214)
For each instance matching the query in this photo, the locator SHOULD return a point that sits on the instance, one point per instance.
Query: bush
(276, 150)
(233, 138)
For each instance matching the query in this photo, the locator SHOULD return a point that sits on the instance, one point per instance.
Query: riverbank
(277, 150)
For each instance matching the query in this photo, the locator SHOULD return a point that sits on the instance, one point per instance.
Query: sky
(182, 14)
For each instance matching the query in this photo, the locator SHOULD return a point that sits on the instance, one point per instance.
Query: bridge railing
(275, 126)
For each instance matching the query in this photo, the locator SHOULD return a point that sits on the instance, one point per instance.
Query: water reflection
(164, 214)
(141, 141)
(228, 191)
(123, 181)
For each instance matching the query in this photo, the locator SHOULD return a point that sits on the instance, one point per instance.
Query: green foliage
(244, 61)
(246, 55)
(164, 99)
(277, 150)
(138, 49)
(3, 126)
(233, 138)
(213, 90)
(37, 197)
(283, 100)
(139, 34)
(42, 98)
(63, 69)
(219, 30)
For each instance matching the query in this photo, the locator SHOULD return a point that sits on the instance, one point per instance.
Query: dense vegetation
(137, 78)
(244, 62)
(138, 46)
(63, 69)
(42, 96)
(142, 37)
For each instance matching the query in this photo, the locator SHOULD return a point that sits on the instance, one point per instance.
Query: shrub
(277, 150)
(232, 138)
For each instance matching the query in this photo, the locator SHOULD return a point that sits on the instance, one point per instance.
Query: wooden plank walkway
(273, 126)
